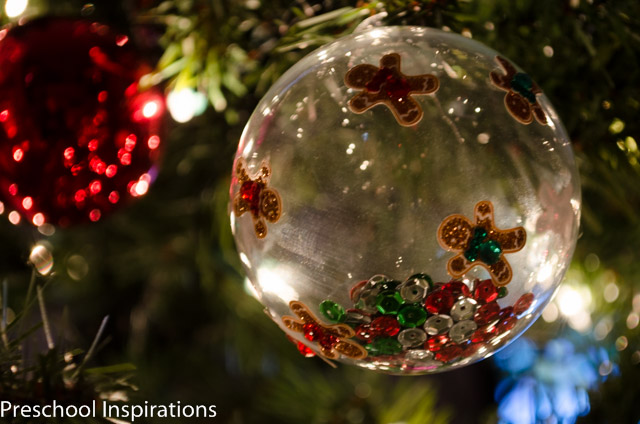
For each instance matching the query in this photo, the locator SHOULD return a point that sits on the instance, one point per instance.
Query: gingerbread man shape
(480, 243)
(254, 196)
(331, 338)
(520, 99)
(387, 85)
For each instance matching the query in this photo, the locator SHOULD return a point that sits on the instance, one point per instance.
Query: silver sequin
(463, 309)
(438, 324)
(412, 337)
(418, 355)
(462, 330)
(414, 290)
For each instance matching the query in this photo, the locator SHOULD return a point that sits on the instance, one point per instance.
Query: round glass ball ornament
(78, 138)
(404, 200)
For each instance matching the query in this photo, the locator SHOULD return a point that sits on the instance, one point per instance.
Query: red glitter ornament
(77, 138)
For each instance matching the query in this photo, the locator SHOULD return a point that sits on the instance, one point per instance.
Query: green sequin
(412, 316)
(389, 302)
(332, 311)
(502, 292)
(384, 346)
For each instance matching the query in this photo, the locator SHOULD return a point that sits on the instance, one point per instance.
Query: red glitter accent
(449, 353)
(327, 341)
(439, 302)
(436, 343)
(312, 331)
(485, 291)
(250, 193)
(386, 326)
(394, 85)
(523, 303)
(487, 313)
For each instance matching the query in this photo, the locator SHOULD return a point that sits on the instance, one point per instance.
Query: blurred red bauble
(77, 137)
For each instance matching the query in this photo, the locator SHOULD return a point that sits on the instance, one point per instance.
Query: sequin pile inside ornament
(77, 137)
(423, 333)
(396, 151)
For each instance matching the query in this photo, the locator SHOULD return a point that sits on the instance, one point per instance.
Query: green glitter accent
(522, 84)
(332, 311)
(412, 316)
(488, 251)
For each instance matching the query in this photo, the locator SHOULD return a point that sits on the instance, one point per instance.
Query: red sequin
(355, 290)
(457, 289)
(363, 332)
(305, 350)
(523, 303)
(506, 320)
(386, 326)
(484, 334)
(436, 343)
(250, 193)
(449, 353)
(487, 313)
(394, 85)
(439, 302)
(485, 292)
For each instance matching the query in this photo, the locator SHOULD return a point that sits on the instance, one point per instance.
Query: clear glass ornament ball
(375, 162)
